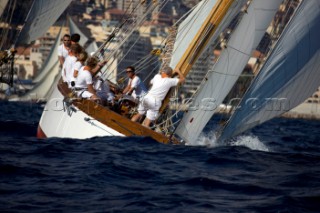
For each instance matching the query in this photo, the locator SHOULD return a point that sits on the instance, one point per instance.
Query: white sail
(47, 75)
(189, 28)
(289, 76)
(75, 29)
(51, 60)
(41, 16)
(3, 4)
(92, 47)
(227, 70)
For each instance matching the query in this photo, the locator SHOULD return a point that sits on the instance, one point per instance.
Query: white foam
(249, 141)
(209, 140)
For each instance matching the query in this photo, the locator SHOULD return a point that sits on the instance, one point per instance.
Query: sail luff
(203, 36)
(289, 76)
(220, 80)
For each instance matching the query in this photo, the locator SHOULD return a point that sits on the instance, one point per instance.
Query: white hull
(57, 122)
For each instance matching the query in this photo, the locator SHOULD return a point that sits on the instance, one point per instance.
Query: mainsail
(42, 15)
(220, 80)
(289, 76)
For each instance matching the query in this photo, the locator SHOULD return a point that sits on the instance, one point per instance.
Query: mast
(203, 36)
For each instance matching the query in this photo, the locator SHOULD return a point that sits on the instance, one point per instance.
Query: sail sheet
(42, 15)
(289, 76)
(220, 80)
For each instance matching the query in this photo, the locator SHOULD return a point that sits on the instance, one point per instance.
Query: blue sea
(274, 168)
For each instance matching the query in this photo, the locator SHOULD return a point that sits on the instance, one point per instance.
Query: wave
(250, 141)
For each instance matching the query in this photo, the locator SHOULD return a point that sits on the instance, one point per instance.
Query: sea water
(273, 168)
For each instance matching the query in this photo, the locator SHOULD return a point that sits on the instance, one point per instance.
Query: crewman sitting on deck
(84, 82)
(152, 101)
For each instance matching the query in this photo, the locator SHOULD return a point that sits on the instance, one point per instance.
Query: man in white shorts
(135, 87)
(152, 101)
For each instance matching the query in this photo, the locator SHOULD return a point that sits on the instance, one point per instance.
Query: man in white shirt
(152, 101)
(68, 65)
(63, 49)
(84, 83)
(135, 87)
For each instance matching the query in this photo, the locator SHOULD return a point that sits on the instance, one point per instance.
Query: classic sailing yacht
(65, 115)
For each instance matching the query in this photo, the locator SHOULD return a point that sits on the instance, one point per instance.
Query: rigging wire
(11, 7)
(119, 52)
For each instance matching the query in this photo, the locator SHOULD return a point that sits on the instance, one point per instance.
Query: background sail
(3, 4)
(227, 70)
(75, 29)
(51, 60)
(41, 16)
(43, 81)
(289, 76)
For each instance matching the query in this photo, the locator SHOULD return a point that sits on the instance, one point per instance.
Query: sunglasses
(129, 71)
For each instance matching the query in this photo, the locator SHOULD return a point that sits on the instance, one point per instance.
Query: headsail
(41, 16)
(289, 76)
(227, 70)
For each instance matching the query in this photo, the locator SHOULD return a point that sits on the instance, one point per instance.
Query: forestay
(220, 80)
(42, 15)
(289, 76)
